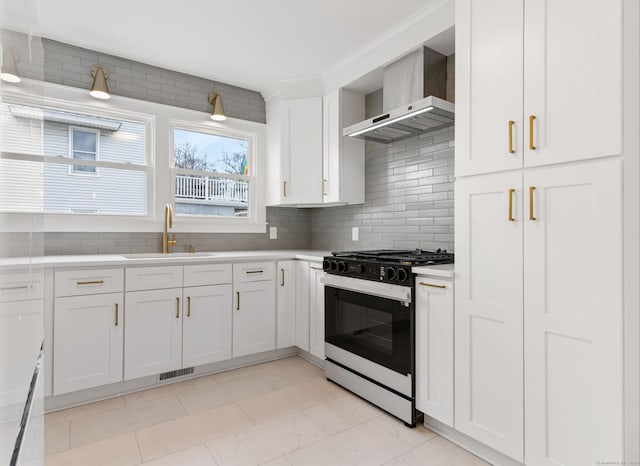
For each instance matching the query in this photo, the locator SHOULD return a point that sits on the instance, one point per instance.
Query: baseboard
(104, 392)
(315, 360)
(482, 451)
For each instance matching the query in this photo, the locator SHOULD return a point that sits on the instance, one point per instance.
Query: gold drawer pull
(177, 308)
(531, 120)
(188, 306)
(316, 268)
(511, 191)
(238, 304)
(324, 188)
(511, 149)
(21, 287)
(282, 277)
(284, 189)
(531, 190)
(116, 314)
(93, 282)
(432, 285)
(248, 272)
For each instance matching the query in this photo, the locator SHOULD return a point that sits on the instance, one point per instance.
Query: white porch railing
(215, 190)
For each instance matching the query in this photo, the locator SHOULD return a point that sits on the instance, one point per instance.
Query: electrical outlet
(355, 231)
(273, 232)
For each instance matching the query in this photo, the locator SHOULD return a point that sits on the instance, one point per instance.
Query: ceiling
(248, 43)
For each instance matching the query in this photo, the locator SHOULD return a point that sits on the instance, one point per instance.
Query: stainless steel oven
(369, 342)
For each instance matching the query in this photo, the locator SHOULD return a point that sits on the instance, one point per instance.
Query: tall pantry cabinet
(539, 228)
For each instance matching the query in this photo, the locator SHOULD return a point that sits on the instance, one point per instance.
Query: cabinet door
(206, 328)
(302, 305)
(488, 317)
(316, 310)
(302, 152)
(489, 60)
(153, 340)
(434, 348)
(286, 304)
(21, 333)
(573, 79)
(254, 318)
(88, 343)
(573, 315)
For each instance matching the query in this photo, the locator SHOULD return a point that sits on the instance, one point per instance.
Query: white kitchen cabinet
(434, 348)
(538, 357)
(88, 342)
(528, 76)
(294, 151)
(573, 315)
(206, 324)
(342, 156)
(254, 317)
(286, 304)
(302, 305)
(153, 339)
(489, 311)
(316, 310)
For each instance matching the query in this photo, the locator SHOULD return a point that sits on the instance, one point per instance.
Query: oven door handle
(368, 287)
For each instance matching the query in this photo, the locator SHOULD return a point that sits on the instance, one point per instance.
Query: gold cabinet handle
(116, 314)
(21, 287)
(324, 187)
(531, 190)
(188, 306)
(511, 149)
(531, 120)
(431, 285)
(93, 282)
(282, 277)
(249, 272)
(238, 301)
(511, 191)
(284, 188)
(177, 308)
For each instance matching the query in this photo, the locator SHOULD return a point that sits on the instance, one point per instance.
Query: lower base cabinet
(153, 340)
(286, 303)
(254, 317)
(87, 348)
(316, 310)
(206, 324)
(434, 348)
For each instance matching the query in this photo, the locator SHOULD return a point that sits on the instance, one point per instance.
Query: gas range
(383, 265)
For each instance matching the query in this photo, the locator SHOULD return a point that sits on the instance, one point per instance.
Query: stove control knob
(402, 275)
(333, 266)
(342, 267)
(390, 273)
(359, 268)
(325, 265)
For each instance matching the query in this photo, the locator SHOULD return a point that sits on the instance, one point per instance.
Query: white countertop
(441, 270)
(102, 260)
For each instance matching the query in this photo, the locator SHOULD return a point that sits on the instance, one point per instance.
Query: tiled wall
(70, 65)
(408, 194)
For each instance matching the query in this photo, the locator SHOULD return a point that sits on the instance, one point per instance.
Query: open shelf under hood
(422, 116)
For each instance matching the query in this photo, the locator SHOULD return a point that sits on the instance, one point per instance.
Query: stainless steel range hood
(414, 92)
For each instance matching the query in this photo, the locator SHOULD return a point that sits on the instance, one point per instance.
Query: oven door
(371, 320)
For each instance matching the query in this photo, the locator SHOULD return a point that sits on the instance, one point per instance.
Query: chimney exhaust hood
(414, 89)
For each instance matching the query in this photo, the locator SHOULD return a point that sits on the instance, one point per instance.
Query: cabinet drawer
(207, 274)
(82, 282)
(253, 272)
(21, 286)
(153, 278)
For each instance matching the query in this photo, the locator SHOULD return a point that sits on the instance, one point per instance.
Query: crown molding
(311, 86)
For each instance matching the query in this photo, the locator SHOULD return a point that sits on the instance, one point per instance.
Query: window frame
(72, 151)
(159, 152)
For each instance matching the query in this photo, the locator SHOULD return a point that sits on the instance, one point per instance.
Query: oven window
(377, 329)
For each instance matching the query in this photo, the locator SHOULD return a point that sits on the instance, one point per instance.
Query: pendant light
(217, 113)
(99, 88)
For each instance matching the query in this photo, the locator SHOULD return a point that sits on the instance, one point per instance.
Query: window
(211, 173)
(83, 145)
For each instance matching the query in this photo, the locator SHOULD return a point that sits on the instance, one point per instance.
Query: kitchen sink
(159, 255)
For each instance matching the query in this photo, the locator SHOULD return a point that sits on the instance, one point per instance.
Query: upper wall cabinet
(342, 156)
(294, 135)
(537, 83)
(310, 162)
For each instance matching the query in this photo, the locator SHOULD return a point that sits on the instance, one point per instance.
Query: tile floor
(278, 413)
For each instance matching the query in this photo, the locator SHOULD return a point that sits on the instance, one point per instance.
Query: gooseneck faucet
(168, 223)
